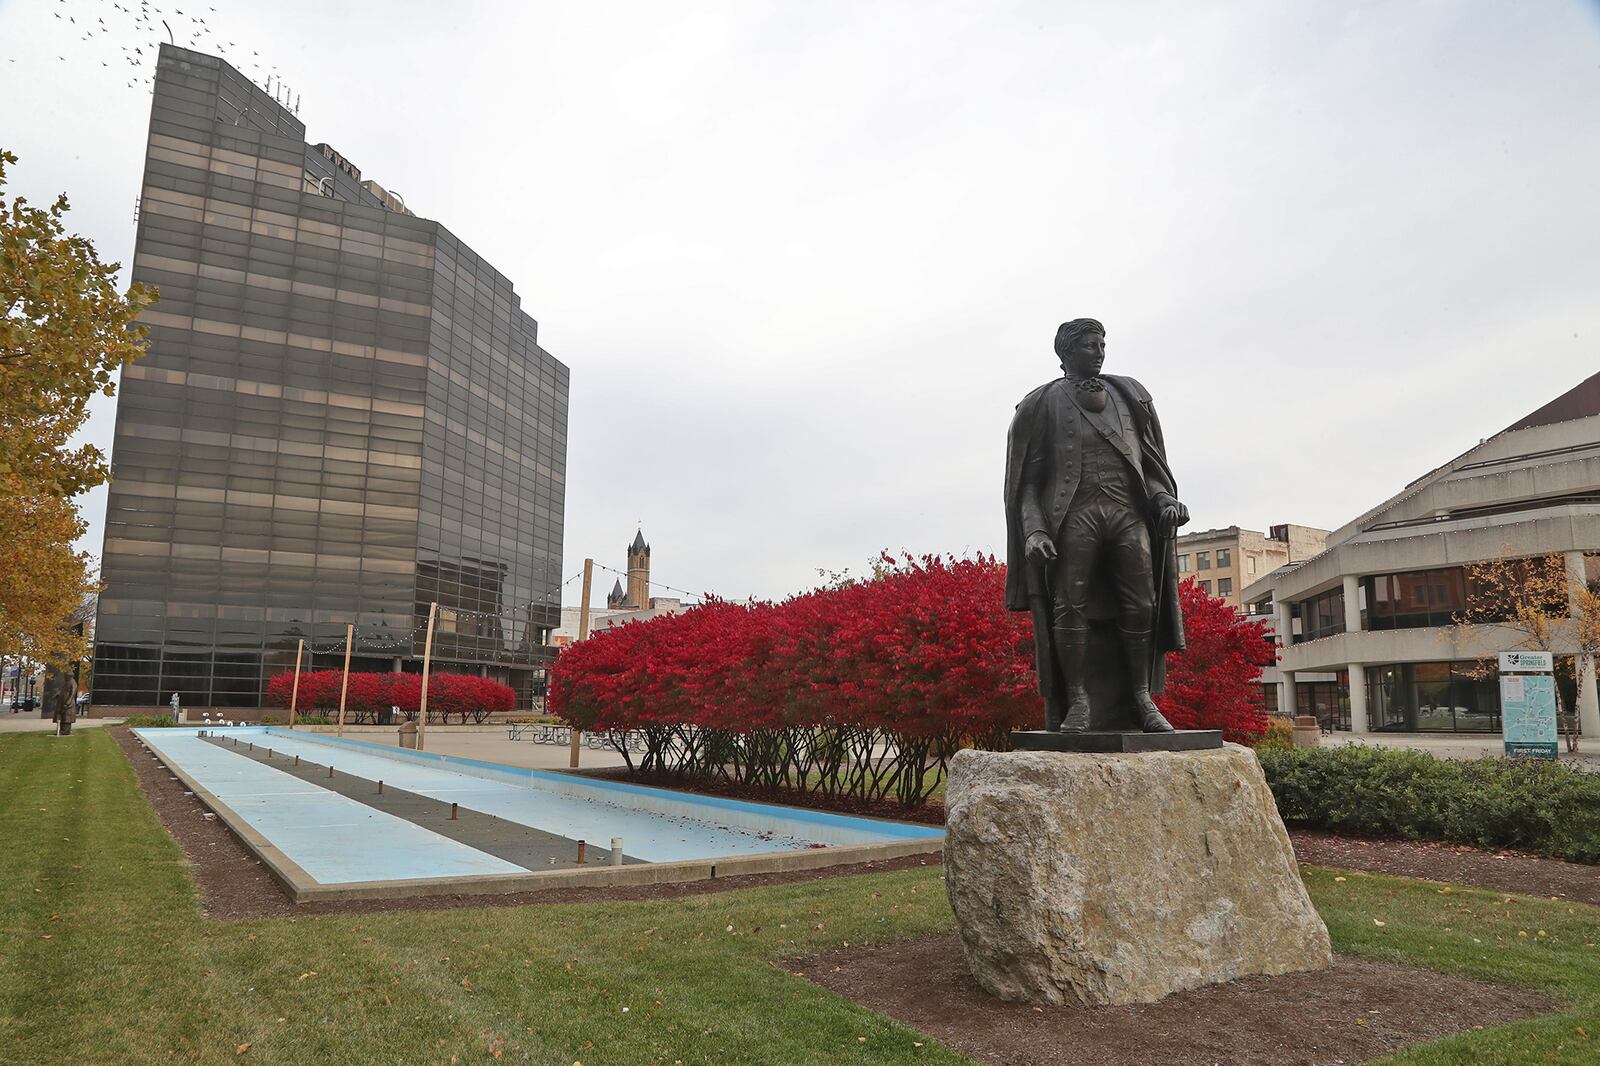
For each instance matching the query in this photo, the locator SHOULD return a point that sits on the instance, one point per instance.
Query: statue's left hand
(1173, 514)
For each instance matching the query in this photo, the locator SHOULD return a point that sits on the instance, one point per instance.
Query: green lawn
(105, 957)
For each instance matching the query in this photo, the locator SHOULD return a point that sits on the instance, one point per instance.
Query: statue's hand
(1040, 548)
(1173, 514)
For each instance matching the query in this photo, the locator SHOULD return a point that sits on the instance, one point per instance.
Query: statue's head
(1081, 347)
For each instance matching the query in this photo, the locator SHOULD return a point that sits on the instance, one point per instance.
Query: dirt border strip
(303, 888)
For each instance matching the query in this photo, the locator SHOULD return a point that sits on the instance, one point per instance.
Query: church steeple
(638, 572)
(615, 598)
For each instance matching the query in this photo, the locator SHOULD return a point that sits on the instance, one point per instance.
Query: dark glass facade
(1442, 697)
(1319, 616)
(343, 417)
(1327, 701)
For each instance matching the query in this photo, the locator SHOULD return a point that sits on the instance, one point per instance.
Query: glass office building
(344, 416)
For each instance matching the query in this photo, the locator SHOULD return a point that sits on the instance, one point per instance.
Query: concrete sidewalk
(1463, 745)
(486, 742)
(32, 723)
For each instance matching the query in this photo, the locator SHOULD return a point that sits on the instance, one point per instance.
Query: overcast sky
(804, 258)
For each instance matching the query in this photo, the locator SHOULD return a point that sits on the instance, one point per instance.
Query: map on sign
(1528, 714)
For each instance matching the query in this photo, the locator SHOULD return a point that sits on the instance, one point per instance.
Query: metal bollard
(380, 788)
(580, 852)
(616, 851)
(297, 760)
(452, 812)
(330, 771)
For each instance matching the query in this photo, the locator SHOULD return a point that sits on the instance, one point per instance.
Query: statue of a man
(1091, 516)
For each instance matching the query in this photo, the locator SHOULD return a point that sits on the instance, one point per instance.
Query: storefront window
(1327, 701)
(1441, 697)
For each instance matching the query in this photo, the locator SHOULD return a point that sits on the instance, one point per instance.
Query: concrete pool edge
(688, 803)
(303, 888)
(287, 872)
(646, 873)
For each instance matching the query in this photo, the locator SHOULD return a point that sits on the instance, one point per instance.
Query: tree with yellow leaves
(64, 333)
(1533, 603)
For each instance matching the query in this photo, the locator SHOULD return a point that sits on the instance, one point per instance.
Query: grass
(105, 957)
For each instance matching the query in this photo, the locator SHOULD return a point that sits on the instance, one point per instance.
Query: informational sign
(1534, 662)
(1528, 714)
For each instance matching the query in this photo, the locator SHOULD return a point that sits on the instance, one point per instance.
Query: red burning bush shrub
(465, 695)
(1216, 682)
(866, 688)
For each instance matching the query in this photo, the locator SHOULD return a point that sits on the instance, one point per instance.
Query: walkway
(1462, 745)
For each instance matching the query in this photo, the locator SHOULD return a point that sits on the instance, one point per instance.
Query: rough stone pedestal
(1100, 878)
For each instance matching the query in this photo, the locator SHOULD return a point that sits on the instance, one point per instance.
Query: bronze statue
(1092, 513)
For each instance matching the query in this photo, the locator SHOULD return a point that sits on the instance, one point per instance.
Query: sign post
(1528, 704)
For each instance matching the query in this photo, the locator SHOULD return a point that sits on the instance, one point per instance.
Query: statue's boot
(1136, 646)
(1072, 648)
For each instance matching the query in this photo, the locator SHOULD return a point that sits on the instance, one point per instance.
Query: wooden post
(344, 685)
(583, 633)
(427, 661)
(294, 694)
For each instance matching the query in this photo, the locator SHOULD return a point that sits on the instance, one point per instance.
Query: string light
(382, 641)
(658, 584)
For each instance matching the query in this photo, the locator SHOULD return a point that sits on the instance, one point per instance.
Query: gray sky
(803, 258)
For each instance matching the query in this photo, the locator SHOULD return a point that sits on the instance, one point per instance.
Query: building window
(1269, 697)
(1321, 615)
(1202, 560)
(1224, 557)
(1183, 564)
(1440, 697)
(1205, 586)
(1224, 586)
(1424, 599)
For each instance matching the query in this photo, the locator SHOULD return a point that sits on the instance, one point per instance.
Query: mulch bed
(1505, 871)
(930, 813)
(233, 883)
(1355, 1011)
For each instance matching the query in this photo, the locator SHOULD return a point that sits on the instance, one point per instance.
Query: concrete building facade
(1366, 625)
(1223, 561)
(344, 416)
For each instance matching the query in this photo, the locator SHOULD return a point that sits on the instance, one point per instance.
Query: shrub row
(1543, 807)
(864, 689)
(468, 697)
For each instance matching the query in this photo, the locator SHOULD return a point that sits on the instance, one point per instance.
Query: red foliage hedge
(465, 695)
(917, 662)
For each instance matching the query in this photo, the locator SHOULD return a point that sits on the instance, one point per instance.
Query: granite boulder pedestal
(1109, 878)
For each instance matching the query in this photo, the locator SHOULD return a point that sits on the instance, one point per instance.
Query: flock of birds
(150, 25)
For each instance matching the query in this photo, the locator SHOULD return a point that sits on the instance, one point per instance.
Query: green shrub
(312, 719)
(1542, 807)
(148, 721)
(1278, 737)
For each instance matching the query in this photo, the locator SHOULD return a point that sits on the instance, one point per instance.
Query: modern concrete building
(344, 416)
(1224, 561)
(1366, 625)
